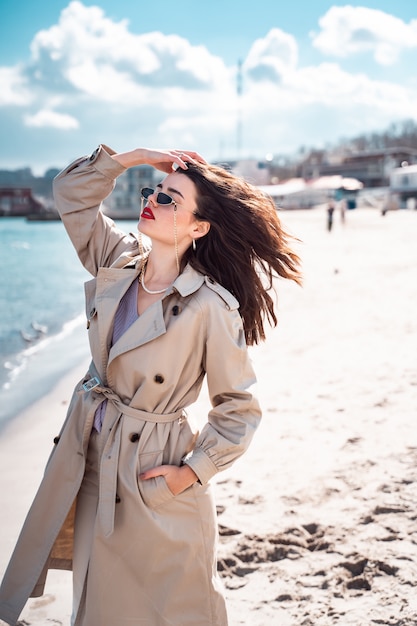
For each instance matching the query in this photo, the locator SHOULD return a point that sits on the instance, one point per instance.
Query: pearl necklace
(149, 291)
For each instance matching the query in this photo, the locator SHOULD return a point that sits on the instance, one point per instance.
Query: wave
(37, 368)
(19, 362)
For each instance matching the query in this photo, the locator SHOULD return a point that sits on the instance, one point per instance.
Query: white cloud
(272, 57)
(14, 90)
(349, 30)
(319, 104)
(51, 119)
(96, 55)
(105, 83)
(329, 84)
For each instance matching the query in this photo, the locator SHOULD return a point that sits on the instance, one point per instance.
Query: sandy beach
(318, 520)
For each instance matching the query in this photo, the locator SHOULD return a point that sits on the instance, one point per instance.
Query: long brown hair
(245, 243)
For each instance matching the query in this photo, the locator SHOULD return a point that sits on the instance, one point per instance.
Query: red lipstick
(147, 214)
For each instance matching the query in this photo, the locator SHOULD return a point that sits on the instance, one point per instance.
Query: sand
(318, 520)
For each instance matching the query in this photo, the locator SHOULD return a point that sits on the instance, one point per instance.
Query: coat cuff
(202, 465)
(102, 160)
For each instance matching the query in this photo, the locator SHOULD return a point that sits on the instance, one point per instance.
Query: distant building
(124, 201)
(254, 171)
(403, 188)
(298, 193)
(41, 186)
(372, 168)
(18, 202)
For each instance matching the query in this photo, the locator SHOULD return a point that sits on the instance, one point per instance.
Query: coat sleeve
(235, 412)
(79, 191)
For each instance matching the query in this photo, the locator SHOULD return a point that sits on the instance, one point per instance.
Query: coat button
(158, 378)
(56, 440)
(117, 499)
(134, 437)
(175, 309)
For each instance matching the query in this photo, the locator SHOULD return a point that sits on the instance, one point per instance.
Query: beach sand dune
(318, 520)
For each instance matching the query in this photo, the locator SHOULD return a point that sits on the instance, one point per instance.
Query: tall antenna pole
(239, 109)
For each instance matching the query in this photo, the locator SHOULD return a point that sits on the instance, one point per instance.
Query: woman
(130, 472)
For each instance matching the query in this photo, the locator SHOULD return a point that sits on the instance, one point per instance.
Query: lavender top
(126, 314)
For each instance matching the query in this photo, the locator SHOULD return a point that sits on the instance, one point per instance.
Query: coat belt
(111, 451)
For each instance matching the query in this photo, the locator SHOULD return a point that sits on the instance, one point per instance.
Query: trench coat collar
(188, 282)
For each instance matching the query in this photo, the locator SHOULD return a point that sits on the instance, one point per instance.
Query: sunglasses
(161, 197)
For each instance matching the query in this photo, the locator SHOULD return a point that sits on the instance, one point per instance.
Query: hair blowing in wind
(246, 246)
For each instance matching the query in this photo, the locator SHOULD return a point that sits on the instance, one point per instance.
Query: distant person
(141, 538)
(330, 211)
(342, 208)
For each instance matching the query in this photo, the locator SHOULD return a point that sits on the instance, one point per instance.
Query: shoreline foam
(38, 368)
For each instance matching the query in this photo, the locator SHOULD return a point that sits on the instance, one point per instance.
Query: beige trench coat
(153, 556)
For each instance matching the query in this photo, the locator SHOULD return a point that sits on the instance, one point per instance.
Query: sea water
(42, 322)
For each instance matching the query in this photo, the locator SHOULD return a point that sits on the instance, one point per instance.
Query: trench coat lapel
(148, 326)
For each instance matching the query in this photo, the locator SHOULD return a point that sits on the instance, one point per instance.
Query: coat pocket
(154, 491)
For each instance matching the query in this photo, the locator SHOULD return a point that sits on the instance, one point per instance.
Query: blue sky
(128, 73)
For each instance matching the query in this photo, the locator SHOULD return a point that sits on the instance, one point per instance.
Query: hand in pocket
(178, 479)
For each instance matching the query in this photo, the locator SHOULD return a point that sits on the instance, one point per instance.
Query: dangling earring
(194, 245)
